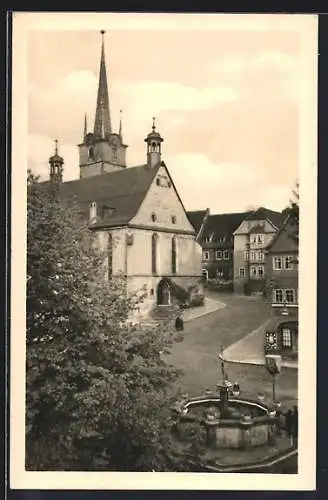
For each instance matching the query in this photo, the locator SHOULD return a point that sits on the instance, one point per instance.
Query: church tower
(56, 163)
(154, 141)
(102, 150)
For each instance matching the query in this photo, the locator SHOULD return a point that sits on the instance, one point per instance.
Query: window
(91, 154)
(246, 255)
(289, 295)
(260, 271)
(277, 263)
(168, 184)
(174, 255)
(110, 256)
(93, 210)
(257, 239)
(158, 181)
(242, 272)
(206, 255)
(278, 296)
(253, 254)
(226, 255)
(260, 256)
(218, 254)
(154, 239)
(288, 261)
(173, 219)
(219, 272)
(286, 337)
(207, 239)
(153, 217)
(253, 271)
(114, 151)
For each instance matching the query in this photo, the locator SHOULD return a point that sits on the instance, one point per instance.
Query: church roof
(122, 192)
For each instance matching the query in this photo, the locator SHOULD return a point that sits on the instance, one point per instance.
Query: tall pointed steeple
(102, 127)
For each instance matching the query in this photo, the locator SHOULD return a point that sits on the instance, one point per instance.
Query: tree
(292, 212)
(98, 392)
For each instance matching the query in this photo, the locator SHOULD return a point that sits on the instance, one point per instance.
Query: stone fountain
(228, 432)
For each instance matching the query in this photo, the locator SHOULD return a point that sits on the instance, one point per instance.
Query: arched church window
(91, 154)
(110, 256)
(154, 242)
(174, 255)
(153, 145)
(114, 150)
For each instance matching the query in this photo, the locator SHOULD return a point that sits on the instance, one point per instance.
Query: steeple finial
(56, 146)
(85, 126)
(120, 129)
(154, 126)
(102, 127)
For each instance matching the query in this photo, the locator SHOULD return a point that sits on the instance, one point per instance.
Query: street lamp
(273, 366)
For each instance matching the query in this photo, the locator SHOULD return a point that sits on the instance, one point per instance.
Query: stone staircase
(168, 313)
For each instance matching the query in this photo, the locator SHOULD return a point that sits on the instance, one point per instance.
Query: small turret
(56, 163)
(153, 141)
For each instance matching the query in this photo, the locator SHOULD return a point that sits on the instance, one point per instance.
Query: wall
(164, 202)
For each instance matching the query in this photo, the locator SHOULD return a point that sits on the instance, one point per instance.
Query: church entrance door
(164, 293)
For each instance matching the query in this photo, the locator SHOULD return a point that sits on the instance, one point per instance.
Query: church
(137, 212)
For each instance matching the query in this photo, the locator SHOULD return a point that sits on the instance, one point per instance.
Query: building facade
(251, 239)
(217, 242)
(140, 220)
(282, 283)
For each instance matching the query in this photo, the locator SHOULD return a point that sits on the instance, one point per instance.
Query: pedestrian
(278, 417)
(289, 425)
(179, 323)
(295, 425)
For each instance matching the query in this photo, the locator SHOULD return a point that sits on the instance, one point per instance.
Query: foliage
(293, 212)
(98, 392)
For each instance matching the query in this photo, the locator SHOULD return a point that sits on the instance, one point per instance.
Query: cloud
(225, 187)
(261, 73)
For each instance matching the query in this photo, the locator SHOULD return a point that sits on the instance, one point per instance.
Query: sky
(227, 103)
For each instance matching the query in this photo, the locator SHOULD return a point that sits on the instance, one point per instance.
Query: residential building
(282, 286)
(139, 217)
(216, 238)
(251, 238)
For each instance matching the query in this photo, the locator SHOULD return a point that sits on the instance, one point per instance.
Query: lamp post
(273, 366)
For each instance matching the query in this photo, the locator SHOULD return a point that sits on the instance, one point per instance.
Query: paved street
(204, 337)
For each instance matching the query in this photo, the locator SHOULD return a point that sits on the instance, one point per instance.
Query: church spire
(102, 127)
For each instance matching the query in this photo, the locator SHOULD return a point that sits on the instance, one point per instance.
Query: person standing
(289, 425)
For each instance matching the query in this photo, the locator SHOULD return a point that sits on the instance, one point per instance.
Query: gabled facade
(217, 242)
(251, 239)
(282, 283)
(140, 220)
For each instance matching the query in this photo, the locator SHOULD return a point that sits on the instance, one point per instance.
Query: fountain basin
(244, 423)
